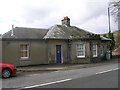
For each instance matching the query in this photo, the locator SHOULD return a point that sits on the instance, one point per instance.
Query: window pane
(24, 51)
(80, 50)
(94, 50)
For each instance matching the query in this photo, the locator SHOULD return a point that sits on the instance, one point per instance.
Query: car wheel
(6, 73)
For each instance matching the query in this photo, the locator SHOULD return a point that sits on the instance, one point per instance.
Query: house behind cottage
(56, 45)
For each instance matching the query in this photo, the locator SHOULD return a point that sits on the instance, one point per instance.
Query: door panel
(58, 54)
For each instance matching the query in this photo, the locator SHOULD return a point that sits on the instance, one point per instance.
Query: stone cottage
(58, 44)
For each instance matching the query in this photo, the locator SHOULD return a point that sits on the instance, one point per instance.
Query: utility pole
(118, 18)
(109, 34)
(109, 21)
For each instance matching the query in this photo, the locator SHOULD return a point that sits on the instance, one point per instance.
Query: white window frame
(83, 50)
(22, 51)
(95, 49)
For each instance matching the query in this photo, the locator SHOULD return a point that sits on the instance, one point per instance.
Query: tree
(112, 42)
(114, 6)
(117, 38)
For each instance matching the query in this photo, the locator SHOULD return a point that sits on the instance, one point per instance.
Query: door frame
(56, 54)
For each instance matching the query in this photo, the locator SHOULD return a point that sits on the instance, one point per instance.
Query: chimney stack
(12, 32)
(66, 21)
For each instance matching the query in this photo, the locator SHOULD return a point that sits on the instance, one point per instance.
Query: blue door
(58, 54)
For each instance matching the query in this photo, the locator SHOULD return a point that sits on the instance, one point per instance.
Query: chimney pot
(66, 21)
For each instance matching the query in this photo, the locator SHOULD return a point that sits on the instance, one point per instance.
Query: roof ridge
(31, 28)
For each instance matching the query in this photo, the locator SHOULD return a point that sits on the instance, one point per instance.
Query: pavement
(56, 67)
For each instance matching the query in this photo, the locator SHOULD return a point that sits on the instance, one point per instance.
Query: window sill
(24, 58)
(94, 56)
(80, 56)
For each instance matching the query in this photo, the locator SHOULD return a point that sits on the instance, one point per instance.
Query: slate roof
(55, 32)
(25, 33)
(117, 49)
(66, 32)
(104, 38)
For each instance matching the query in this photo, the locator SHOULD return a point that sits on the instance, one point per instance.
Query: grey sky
(90, 15)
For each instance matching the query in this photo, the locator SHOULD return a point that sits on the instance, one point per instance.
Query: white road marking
(107, 71)
(56, 71)
(32, 74)
(48, 83)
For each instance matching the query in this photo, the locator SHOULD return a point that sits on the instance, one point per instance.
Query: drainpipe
(90, 47)
(69, 51)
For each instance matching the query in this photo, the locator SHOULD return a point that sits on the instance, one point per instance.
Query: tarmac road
(34, 80)
(105, 80)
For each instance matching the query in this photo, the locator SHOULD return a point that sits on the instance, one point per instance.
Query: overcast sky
(90, 15)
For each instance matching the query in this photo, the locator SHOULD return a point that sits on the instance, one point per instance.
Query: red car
(7, 70)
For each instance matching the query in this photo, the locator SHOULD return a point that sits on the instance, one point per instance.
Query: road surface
(105, 76)
(105, 80)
